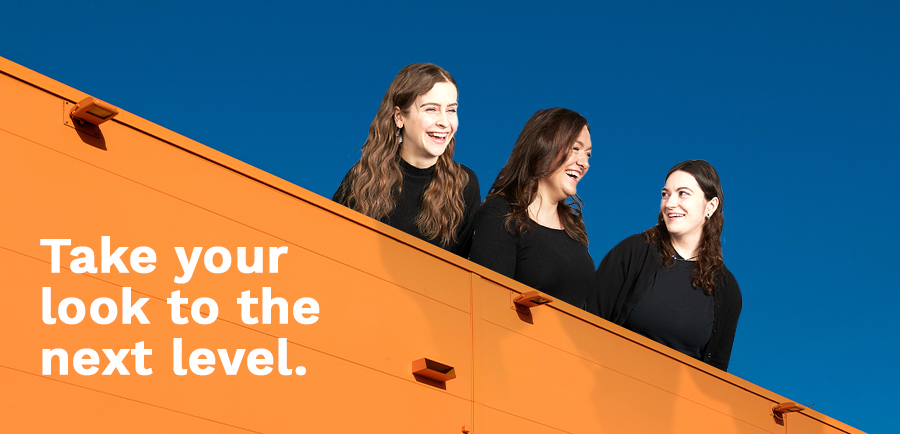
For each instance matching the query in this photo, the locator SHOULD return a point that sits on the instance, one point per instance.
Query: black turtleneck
(403, 217)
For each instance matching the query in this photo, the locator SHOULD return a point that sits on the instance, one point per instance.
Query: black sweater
(545, 259)
(408, 206)
(626, 272)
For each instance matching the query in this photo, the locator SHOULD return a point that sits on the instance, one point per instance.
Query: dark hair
(709, 257)
(541, 149)
(375, 181)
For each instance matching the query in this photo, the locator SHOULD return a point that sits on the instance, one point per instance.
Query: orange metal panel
(626, 377)
(39, 405)
(130, 208)
(143, 192)
(386, 299)
(498, 422)
(796, 423)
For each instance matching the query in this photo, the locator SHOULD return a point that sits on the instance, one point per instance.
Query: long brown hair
(376, 180)
(541, 149)
(709, 259)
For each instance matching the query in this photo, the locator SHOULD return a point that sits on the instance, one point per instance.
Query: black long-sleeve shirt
(409, 204)
(545, 259)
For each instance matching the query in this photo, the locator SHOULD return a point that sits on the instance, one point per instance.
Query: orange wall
(385, 300)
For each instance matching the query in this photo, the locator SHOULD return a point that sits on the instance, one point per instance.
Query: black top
(673, 312)
(627, 271)
(545, 259)
(403, 217)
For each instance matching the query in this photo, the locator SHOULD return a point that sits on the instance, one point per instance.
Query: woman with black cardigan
(670, 283)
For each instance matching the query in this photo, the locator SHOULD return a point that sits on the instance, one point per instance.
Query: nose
(442, 120)
(582, 162)
(670, 202)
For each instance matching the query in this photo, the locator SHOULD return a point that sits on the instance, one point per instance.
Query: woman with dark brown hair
(670, 283)
(527, 229)
(406, 176)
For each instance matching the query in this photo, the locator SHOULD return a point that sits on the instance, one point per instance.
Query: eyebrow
(679, 188)
(438, 104)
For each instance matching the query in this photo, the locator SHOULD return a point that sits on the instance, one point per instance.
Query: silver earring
(707, 216)
(399, 136)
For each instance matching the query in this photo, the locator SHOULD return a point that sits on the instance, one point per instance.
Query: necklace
(678, 257)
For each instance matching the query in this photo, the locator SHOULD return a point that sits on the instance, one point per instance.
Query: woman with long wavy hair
(406, 176)
(670, 283)
(527, 229)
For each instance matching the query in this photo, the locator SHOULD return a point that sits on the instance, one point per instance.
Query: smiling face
(684, 207)
(428, 125)
(563, 182)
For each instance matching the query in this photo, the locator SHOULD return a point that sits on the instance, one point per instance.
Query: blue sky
(797, 104)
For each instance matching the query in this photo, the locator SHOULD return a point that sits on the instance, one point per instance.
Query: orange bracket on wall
(433, 370)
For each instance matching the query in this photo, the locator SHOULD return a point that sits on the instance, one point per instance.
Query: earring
(707, 216)
(399, 136)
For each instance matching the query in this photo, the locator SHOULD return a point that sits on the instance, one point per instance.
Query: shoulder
(636, 242)
(635, 249)
(497, 205)
(340, 195)
(727, 288)
(492, 233)
(729, 283)
(470, 172)
(349, 175)
(472, 188)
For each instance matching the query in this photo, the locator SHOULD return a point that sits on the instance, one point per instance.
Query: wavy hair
(709, 258)
(541, 149)
(375, 182)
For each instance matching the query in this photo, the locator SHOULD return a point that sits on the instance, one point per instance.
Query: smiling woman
(406, 176)
(670, 283)
(525, 229)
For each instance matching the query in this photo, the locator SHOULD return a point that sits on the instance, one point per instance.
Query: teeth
(572, 173)
(676, 215)
(438, 135)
